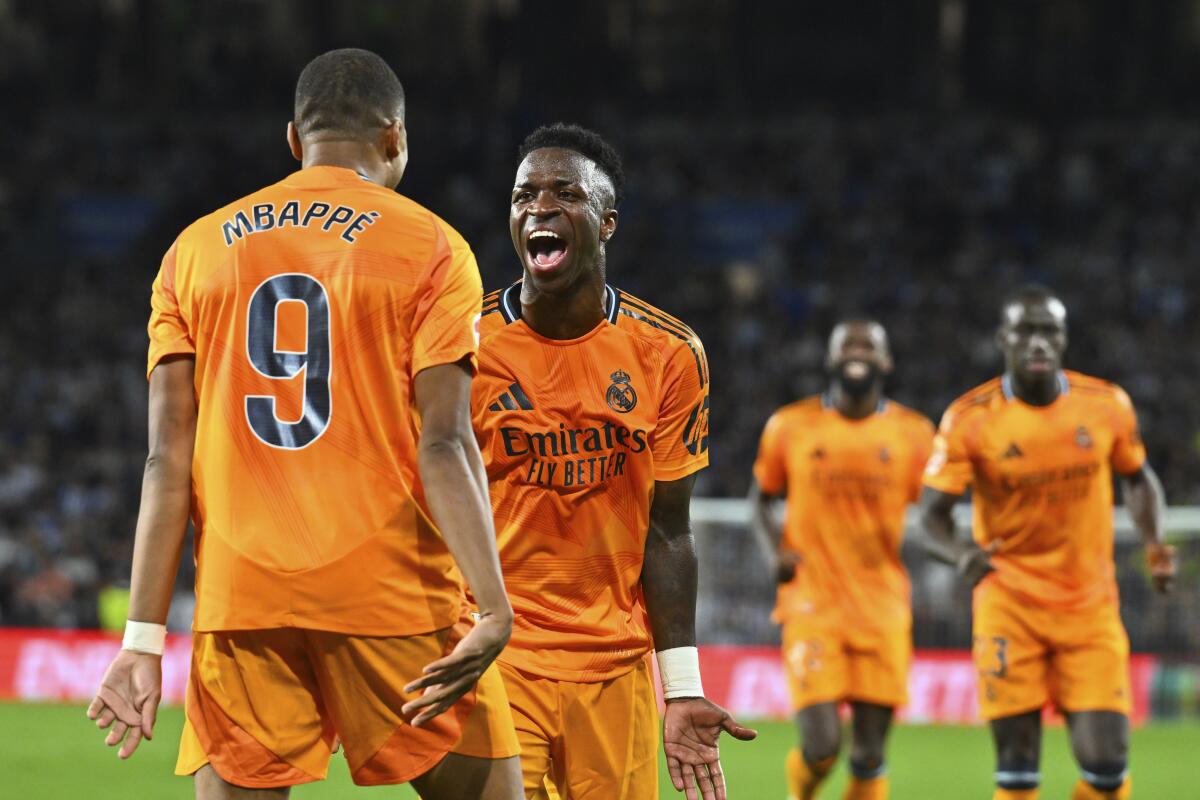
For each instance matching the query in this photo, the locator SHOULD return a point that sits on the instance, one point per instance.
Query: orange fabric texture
(574, 435)
(870, 789)
(1042, 480)
(263, 707)
(827, 663)
(1085, 791)
(586, 741)
(803, 779)
(310, 306)
(1027, 655)
(848, 483)
(1015, 794)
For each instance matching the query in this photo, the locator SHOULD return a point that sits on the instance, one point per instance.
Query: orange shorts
(586, 741)
(827, 663)
(263, 707)
(1027, 656)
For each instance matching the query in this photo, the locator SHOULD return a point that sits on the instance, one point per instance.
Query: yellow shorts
(1027, 656)
(586, 741)
(827, 663)
(263, 707)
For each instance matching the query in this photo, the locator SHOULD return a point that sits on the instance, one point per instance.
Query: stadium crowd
(759, 229)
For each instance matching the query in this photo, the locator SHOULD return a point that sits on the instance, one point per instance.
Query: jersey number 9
(271, 362)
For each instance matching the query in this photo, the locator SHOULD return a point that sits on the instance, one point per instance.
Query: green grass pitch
(53, 751)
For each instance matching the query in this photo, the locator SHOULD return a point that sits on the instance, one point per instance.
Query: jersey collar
(828, 405)
(510, 303)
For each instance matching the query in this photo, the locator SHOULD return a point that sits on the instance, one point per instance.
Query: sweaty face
(858, 357)
(560, 217)
(1033, 337)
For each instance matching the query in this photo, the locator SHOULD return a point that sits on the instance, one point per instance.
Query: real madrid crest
(1083, 438)
(620, 396)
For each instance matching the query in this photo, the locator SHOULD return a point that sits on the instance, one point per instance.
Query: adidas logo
(513, 400)
(1013, 451)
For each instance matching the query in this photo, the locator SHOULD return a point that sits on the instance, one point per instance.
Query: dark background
(788, 163)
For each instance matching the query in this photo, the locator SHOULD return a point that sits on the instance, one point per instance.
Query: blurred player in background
(1039, 446)
(849, 463)
(297, 336)
(592, 412)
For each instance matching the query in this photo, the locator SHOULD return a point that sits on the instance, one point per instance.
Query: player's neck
(1040, 390)
(356, 156)
(568, 315)
(855, 407)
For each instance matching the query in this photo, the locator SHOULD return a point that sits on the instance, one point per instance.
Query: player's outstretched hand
(976, 562)
(128, 700)
(691, 728)
(1161, 560)
(785, 565)
(449, 678)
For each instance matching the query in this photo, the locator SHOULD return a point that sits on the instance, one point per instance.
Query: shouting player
(592, 412)
(296, 339)
(849, 463)
(1039, 446)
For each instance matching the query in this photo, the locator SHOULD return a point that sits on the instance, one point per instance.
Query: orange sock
(804, 778)
(1085, 791)
(868, 789)
(1015, 794)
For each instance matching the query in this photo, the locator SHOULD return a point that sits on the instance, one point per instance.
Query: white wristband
(679, 671)
(144, 637)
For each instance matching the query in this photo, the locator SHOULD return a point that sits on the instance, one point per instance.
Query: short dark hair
(1027, 293)
(587, 143)
(348, 91)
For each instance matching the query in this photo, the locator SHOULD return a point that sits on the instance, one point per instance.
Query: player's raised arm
(132, 687)
(692, 725)
(1145, 499)
(452, 473)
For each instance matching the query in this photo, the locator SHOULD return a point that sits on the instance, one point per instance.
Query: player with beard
(591, 409)
(849, 462)
(1039, 446)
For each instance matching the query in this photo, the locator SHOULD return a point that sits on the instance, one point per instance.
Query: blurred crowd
(760, 227)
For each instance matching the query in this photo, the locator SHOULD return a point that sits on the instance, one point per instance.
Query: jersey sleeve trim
(674, 473)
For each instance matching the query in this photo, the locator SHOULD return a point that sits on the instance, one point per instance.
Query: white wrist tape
(679, 671)
(144, 637)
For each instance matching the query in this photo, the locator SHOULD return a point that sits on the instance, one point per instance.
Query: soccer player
(849, 462)
(311, 353)
(592, 413)
(1039, 446)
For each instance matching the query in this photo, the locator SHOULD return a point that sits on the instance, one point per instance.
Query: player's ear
(395, 141)
(293, 140)
(608, 224)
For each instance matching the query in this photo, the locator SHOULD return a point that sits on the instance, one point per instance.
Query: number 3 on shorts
(271, 362)
(991, 656)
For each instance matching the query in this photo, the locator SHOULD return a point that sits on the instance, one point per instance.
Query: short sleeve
(922, 449)
(1128, 451)
(949, 468)
(680, 441)
(168, 328)
(446, 324)
(770, 467)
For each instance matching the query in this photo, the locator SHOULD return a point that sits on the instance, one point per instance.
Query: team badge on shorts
(620, 396)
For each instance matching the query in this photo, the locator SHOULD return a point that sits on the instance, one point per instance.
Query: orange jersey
(848, 484)
(1042, 479)
(574, 434)
(310, 306)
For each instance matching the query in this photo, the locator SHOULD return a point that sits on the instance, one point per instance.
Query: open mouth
(546, 250)
(856, 370)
